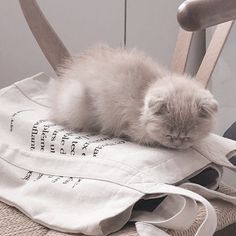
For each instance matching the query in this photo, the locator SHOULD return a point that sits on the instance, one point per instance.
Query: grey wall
(79, 23)
(151, 26)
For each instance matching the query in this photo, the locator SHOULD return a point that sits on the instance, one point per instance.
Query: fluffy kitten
(124, 93)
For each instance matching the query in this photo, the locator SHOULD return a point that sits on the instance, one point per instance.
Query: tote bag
(84, 183)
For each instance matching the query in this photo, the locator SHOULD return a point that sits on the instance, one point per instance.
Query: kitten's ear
(156, 101)
(208, 107)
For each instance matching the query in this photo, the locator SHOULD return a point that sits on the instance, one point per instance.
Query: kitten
(124, 93)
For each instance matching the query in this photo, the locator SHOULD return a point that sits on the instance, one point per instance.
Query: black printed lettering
(63, 139)
(52, 148)
(28, 175)
(13, 118)
(68, 180)
(44, 136)
(76, 183)
(54, 135)
(56, 179)
(73, 145)
(62, 151)
(39, 177)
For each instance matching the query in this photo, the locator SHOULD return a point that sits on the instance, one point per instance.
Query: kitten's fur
(125, 93)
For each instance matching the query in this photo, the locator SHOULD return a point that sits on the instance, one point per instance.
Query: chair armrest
(199, 14)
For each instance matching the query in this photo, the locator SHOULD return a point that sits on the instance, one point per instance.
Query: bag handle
(47, 39)
(212, 54)
(207, 227)
(147, 224)
(146, 229)
(170, 213)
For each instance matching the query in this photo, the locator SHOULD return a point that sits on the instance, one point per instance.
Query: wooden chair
(55, 51)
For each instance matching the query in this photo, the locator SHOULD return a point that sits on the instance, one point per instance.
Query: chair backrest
(56, 52)
(212, 54)
(49, 42)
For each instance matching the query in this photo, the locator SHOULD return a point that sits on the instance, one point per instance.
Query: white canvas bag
(76, 182)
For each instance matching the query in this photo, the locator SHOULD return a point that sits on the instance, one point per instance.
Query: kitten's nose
(177, 141)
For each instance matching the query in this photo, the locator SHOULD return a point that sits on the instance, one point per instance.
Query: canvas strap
(207, 227)
(211, 56)
(147, 225)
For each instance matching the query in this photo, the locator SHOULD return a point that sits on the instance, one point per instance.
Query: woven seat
(13, 222)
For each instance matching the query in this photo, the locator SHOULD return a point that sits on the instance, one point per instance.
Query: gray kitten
(124, 93)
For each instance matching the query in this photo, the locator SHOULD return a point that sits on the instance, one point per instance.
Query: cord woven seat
(13, 222)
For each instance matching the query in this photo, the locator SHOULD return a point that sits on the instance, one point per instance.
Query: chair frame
(56, 52)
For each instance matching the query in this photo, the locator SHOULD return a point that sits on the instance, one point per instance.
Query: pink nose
(177, 142)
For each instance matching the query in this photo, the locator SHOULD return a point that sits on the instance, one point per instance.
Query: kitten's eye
(203, 113)
(162, 110)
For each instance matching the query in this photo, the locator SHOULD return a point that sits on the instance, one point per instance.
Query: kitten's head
(178, 111)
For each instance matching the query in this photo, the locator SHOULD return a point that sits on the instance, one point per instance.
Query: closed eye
(162, 110)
